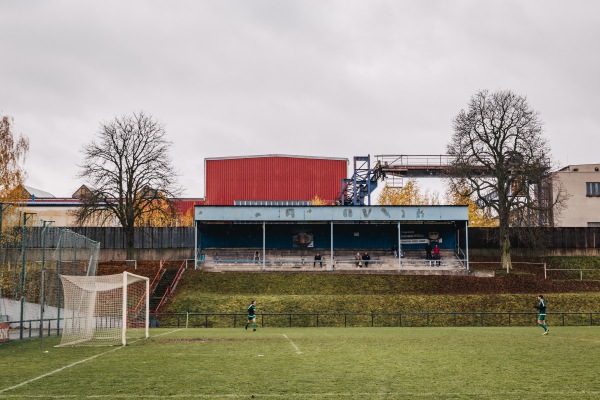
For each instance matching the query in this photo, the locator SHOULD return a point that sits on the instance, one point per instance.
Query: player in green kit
(252, 315)
(541, 307)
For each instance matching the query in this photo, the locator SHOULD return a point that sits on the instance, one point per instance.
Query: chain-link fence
(32, 255)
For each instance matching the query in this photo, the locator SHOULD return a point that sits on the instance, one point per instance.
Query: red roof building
(256, 180)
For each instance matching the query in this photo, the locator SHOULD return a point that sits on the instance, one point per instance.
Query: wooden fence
(114, 238)
(183, 237)
(549, 238)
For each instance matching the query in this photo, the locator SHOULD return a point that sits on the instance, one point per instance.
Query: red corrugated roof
(273, 178)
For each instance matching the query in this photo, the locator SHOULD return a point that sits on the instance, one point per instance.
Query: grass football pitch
(313, 363)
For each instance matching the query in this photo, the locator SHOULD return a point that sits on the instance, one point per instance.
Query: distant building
(61, 210)
(582, 183)
(48, 207)
(28, 192)
(82, 192)
(273, 179)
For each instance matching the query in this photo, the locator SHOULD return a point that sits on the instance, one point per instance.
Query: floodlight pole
(46, 224)
(26, 215)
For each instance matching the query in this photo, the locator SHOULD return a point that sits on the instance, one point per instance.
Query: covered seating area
(280, 238)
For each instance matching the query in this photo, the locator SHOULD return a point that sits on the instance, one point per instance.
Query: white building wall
(581, 209)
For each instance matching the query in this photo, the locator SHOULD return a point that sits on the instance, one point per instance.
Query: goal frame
(121, 282)
(147, 311)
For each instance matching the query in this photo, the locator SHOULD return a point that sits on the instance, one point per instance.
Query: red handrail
(172, 286)
(157, 276)
(151, 287)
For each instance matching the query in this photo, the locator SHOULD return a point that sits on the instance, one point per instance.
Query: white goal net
(104, 310)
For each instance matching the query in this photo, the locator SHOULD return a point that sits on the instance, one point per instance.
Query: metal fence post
(545, 273)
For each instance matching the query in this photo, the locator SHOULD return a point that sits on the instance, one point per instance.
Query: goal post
(105, 310)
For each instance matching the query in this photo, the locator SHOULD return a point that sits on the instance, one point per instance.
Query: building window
(592, 189)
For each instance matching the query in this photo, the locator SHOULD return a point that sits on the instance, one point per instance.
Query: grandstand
(288, 237)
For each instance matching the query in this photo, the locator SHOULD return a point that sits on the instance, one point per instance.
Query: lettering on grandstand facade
(330, 213)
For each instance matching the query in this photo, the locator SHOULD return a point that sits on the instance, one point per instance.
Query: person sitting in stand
(256, 256)
(357, 260)
(366, 257)
(318, 258)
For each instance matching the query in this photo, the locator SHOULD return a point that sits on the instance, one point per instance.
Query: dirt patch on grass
(207, 340)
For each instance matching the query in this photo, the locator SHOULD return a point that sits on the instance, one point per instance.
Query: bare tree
(498, 150)
(130, 174)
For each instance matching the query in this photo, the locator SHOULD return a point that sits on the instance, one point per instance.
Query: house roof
(580, 168)
(37, 193)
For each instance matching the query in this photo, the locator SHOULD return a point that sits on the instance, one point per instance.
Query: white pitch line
(292, 343)
(166, 333)
(72, 365)
(58, 370)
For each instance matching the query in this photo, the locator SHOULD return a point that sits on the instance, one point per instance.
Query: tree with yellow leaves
(457, 193)
(163, 213)
(12, 154)
(409, 194)
(317, 201)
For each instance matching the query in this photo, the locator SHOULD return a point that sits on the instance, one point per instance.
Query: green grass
(315, 363)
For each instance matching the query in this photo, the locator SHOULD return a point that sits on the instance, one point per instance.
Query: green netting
(32, 255)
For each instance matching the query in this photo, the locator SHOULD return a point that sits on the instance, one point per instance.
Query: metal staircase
(363, 182)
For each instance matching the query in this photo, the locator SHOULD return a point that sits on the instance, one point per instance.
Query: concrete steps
(344, 262)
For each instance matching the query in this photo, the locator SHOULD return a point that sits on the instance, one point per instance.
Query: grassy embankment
(306, 292)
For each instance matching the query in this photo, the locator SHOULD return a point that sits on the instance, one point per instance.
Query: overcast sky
(317, 78)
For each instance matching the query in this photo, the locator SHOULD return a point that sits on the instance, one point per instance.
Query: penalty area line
(59, 370)
(167, 333)
(292, 343)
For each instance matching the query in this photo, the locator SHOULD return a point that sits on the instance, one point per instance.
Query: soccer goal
(104, 310)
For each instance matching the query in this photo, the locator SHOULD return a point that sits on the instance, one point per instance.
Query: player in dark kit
(541, 307)
(251, 316)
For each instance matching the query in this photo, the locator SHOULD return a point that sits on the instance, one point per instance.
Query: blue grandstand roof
(330, 213)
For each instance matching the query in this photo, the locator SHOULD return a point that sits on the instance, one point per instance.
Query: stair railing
(157, 277)
(151, 287)
(172, 286)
